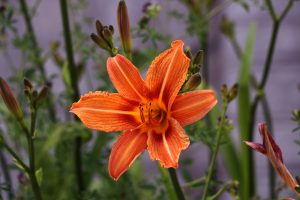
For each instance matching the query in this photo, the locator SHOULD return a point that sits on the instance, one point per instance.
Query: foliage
(38, 150)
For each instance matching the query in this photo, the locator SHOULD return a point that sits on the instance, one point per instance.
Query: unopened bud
(111, 29)
(193, 82)
(224, 91)
(100, 42)
(198, 59)
(99, 27)
(41, 96)
(107, 34)
(27, 84)
(233, 92)
(188, 54)
(10, 100)
(124, 27)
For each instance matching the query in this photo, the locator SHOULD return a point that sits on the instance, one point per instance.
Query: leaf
(244, 112)
(39, 176)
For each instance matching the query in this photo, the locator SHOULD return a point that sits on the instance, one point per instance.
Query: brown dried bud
(124, 27)
(10, 100)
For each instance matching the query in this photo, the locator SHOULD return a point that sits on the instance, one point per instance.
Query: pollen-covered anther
(153, 115)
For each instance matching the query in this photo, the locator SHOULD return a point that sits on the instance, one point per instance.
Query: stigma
(154, 116)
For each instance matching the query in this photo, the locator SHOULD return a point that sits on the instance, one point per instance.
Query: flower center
(154, 116)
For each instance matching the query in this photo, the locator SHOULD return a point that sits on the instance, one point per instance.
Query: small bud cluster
(150, 11)
(194, 74)
(35, 98)
(296, 118)
(229, 94)
(104, 38)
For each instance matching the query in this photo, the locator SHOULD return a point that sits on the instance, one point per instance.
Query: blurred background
(170, 22)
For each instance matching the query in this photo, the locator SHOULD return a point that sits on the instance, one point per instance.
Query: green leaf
(39, 176)
(244, 112)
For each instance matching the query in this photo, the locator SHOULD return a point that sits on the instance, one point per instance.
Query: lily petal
(166, 147)
(257, 147)
(126, 77)
(106, 112)
(267, 136)
(127, 148)
(273, 152)
(167, 73)
(192, 106)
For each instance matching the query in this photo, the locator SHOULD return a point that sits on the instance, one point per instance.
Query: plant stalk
(6, 175)
(215, 153)
(75, 90)
(176, 185)
(38, 55)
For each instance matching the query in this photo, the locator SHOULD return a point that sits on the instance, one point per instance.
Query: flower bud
(233, 92)
(27, 84)
(124, 27)
(100, 42)
(41, 96)
(198, 59)
(10, 100)
(99, 27)
(108, 36)
(193, 82)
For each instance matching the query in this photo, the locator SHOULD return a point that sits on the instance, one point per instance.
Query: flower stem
(75, 90)
(176, 185)
(215, 153)
(6, 175)
(37, 52)
(267, 66)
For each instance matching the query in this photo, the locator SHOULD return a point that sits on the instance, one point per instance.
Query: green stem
(37, 52)
(176, 185)
(31, 151)
(6, 174)
(215, 153)
(75, 90)
(167, 182)
(195, 182)
(16, 157)
(225, 187)
(267, 117)
(267, 66)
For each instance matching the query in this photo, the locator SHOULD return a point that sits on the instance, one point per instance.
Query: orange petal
(106, 112)
(192, 106)
(126, 77)
(127, 148)
(167, 146)
(167, 73)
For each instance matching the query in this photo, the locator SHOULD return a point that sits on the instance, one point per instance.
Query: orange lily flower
(150, 111)
(273, 152)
